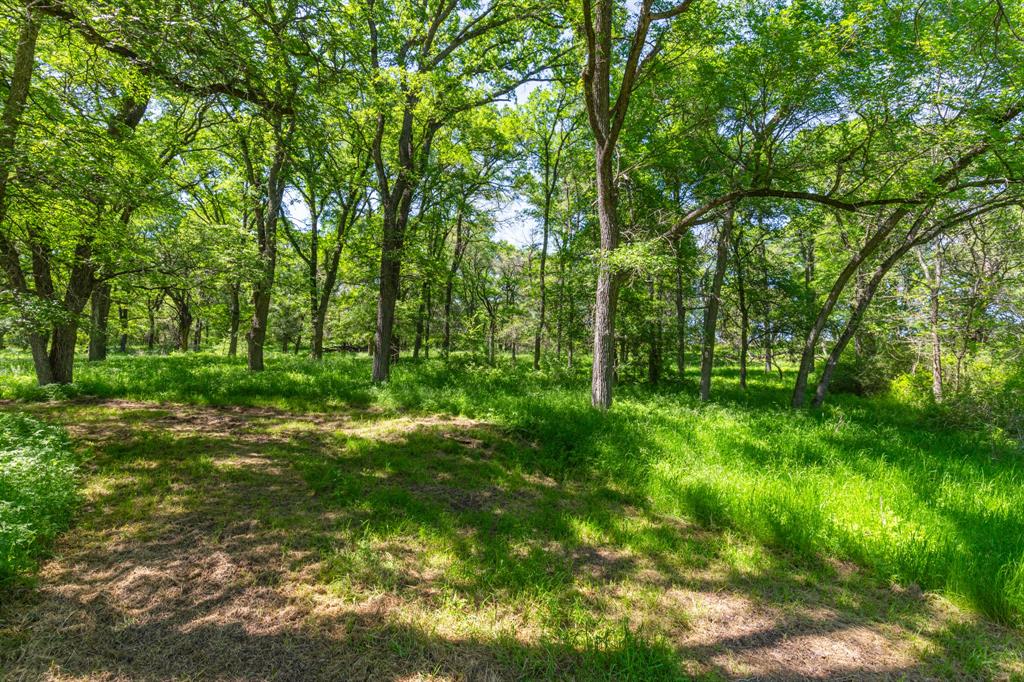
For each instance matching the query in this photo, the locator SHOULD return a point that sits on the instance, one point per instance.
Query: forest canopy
(831, 186)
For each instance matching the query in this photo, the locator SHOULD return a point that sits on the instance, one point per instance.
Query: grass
(873, 481)
(366, 532)
(38, 490)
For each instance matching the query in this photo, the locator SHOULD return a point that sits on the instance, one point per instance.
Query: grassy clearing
(228, 543)
(868, 480)
(38, 490)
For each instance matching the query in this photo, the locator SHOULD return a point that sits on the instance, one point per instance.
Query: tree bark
(267, 215)
(397, 204)
(420, 312)
(460, 248)
(234, 318)
(607, 296)
(712, 303)
(681, 313)
(542, 293)
(654, 332)
(183, 308)
(933, 278)
(100, 314)
(741, 293)
(122, 318)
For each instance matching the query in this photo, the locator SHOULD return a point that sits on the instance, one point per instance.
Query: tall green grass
(38, 490)
(873, 480)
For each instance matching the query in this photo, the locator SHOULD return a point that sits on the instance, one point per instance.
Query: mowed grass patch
(881, 483)
(246, 543)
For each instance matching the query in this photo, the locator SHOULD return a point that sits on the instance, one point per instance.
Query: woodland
(511, 339)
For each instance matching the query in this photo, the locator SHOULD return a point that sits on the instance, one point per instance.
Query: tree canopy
(829, 185)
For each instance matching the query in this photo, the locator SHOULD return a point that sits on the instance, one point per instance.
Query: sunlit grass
(868, 480)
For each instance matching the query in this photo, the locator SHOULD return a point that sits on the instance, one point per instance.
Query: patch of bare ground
(201, 554)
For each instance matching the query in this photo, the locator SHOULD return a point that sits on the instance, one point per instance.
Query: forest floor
(256, 543)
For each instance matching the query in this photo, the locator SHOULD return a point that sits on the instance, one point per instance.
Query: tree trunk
(933, 276)
(267, 217)
(426, 324)
(602, 378)
(122, 318)
(654, 340)
(234, 318)
(62, 352)
(417, 344)
(680, 314)
(184, 311)
(864, 297)
(460, 246)
(257, 335)
(546, 225)
(316, 348)
(390, 278)
(712, 303)
(10, 121)
(65, 334)
(397, 204)
(491, 340)
(151, 332)
(744, 312)
(41, 359)
(99, 317)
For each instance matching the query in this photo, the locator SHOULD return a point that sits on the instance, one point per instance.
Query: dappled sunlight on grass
(458, 487)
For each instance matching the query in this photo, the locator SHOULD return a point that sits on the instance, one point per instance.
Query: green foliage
(38, 489)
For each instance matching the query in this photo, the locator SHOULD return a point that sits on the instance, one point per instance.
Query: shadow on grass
(246, 544)
(970, 551)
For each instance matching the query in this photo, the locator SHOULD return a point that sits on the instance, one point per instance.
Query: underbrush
(880, 481)
(38, 490)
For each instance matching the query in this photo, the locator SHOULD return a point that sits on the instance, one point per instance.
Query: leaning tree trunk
(712, 303)
(864, 298)
(65, 332)
(814, 334)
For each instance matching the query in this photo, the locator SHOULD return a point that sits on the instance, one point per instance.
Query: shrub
(38, 489)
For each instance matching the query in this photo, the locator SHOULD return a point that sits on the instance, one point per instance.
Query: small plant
(38, 489)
